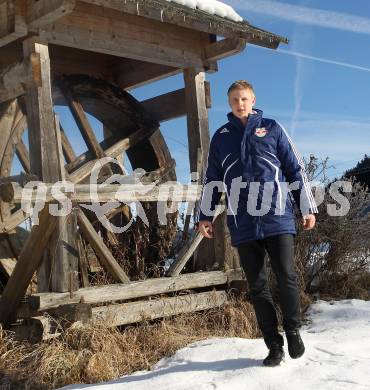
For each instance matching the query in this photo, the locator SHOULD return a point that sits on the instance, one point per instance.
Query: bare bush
(96, 353)
(334, 258)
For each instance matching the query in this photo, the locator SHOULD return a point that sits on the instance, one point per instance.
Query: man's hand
(206, 229)
(308, 221)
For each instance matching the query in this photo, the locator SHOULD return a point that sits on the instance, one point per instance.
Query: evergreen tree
(361, 172)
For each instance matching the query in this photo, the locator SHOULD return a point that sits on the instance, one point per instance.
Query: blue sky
(318, 86)
(323, 102)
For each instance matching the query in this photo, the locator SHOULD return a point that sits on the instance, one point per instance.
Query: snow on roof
(212, 7)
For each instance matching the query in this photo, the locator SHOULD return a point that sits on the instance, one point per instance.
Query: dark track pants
(281, 253)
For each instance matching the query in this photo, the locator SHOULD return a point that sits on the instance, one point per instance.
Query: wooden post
(208, 254)
(64, 273)
(46, 164)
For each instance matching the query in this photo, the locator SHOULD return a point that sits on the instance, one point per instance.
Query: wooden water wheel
(140, 249)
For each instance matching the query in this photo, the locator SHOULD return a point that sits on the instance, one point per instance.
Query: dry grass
(96, 353)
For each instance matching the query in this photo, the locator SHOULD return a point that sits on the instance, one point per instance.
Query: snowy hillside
(337, 356)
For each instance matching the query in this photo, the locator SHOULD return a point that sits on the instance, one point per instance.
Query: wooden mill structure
(85, 55)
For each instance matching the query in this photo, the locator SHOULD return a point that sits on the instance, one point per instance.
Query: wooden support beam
(40, 328)
(104, 254)
(175, 14)
(197, 117)
(123, 35)
(128, 313)
(171, 105)
(129, 74)
(120, 46)
(84, 193)
(132, 290)
(12, 21)
(224, 48)
(198, 140)
(17, 78)
(46, 163)
(187, 251)
(43, 12)
(64, 271)
(28, 261)
(40, 118)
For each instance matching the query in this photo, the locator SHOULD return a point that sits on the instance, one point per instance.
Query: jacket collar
(254, 120)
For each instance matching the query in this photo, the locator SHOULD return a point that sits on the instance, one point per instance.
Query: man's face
(241, 102)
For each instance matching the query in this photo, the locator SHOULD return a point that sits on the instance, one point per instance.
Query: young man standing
(259, 168)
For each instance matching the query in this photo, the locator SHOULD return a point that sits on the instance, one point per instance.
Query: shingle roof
(171, 12)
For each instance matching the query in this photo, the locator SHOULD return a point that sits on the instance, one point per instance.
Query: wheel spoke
(23, 155)
(97, 243)
(68, 151)
(82, 121)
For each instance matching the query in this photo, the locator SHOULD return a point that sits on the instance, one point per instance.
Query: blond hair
(240, 84)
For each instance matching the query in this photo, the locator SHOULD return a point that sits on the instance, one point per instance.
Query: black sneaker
(275, 356)
(295, 344)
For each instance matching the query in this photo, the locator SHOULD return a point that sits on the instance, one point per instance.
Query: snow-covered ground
(337, 357)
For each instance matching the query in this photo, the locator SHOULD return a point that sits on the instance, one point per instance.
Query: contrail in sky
(299, 75)
(314, 58)
(320, 59)
(313, 16)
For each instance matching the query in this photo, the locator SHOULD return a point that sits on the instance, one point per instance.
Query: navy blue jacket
(254, 165)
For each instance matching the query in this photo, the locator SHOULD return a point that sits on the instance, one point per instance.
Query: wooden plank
(28, 261)
(43, 12)
(172, 13)
(224, 48)
(40, 328)
(17, 78)
(128, 313)
(104, 254)
(125, 36)
(84, 193)
(118, 292)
